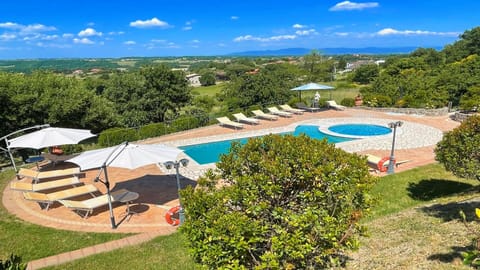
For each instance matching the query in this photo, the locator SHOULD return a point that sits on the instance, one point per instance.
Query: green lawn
(210, 91)
(395, 193)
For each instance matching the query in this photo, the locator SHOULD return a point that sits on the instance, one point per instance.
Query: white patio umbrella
(126, 155)
(46, 136)
(311, 86)
(50, 136)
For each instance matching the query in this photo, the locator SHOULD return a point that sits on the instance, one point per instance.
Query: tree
(366, 73)
(459, 149)
(468, 44)
(278, 202)
(207, 78)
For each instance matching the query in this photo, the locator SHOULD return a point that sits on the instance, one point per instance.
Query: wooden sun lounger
(22, 186)
(287, 108)
(45, 200)
(261, 114)
(242, 118)
(381, 164)
(276, 111)
(87, 206)
(224, 121)
(334, 105)
(40, 175)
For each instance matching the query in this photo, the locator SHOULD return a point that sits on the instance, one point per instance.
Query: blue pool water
(360, 129)
(210, 152)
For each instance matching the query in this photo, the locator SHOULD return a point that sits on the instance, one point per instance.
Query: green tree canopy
(459, 149)
(278, 202)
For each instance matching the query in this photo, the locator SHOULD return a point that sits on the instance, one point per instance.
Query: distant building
(194, 79)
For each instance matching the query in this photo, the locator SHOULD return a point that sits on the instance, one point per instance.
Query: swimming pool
(210, 152)
(360, 129)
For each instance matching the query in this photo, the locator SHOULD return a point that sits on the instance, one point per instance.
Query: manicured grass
(162, 253)
(415, 187)
(30, 241)
(211, 90)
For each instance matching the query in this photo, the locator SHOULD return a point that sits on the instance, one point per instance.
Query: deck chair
(276, 111)
(302, 106)
(38, 175)
(334, 105)
(287, 108)
(22, 186)
(86, 207)
(242, 118)
(262, 115)
(45, 200)
(381, 164)
(224, 121)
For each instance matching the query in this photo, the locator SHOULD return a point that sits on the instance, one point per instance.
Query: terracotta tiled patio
(158, 191)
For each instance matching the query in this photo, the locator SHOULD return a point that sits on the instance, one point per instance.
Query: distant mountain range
(327, 51)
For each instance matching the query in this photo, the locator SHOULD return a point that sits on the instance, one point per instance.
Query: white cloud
(82, 41)
(10, 25)
(27, 29)
(187, 28)
(273, 38)
(154, 22)
(306, 32)
(347, 5)
(195, 41)
(391, 31)
(89, 32)
(118, 33)
(342, 34)
(130, 42)
(298, 26)
(6, 37)
(234, 18)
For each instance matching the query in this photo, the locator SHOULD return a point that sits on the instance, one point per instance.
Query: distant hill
(303, 51)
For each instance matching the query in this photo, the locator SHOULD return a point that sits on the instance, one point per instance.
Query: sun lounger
(41, 175)
(261, 114)
(22, 186)
(287, 108)
(45, 200)
(224, 121)
(276, 111)
(302, 106)
(87, 206)
(334, 105)
(381, 164)
(242, 118)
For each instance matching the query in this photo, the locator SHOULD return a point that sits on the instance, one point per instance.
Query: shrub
(349, 102)
(184, 123)
(116, 136)
(278, 202)
(153, 130)
(459, 149)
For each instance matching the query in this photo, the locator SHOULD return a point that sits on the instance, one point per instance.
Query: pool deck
(156, 185)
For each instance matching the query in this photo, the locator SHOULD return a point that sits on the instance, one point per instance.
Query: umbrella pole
(107, 185)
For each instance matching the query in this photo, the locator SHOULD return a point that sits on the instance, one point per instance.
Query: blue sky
(87, 28)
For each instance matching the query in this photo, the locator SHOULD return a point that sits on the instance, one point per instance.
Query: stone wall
(459, 116)
(415, 111)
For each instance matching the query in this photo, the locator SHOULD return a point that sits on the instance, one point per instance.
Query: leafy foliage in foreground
(459, 149)
(278, 202)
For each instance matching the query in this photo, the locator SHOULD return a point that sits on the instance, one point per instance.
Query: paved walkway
(157, 186)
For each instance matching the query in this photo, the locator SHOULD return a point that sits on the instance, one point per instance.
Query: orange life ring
(169, 216)
(381, 162)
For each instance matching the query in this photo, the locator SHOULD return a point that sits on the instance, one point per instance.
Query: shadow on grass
(450, 257)
(451, 211)
(430, 189)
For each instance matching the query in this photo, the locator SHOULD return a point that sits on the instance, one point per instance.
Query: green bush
(184, 123)
(377, 101)
(278, 202)
(153, 130)
(349, 102)
(459, 149)
(116, 136)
